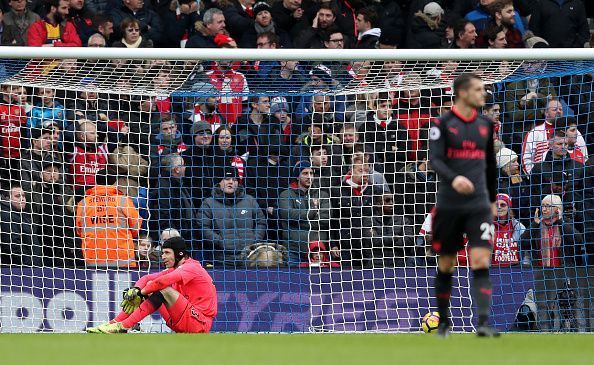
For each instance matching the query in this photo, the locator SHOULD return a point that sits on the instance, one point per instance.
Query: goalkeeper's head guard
(178, 245)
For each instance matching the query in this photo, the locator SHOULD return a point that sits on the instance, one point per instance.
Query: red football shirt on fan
(191, 280)
(12, 117)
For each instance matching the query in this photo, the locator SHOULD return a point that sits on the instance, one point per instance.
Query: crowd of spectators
(317, 178)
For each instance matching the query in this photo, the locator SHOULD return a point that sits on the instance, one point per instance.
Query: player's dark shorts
(450, 225)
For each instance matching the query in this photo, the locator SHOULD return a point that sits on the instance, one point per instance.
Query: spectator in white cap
(426, 30)
(512, 183)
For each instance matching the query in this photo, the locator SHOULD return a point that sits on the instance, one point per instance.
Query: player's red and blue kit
(194, 310)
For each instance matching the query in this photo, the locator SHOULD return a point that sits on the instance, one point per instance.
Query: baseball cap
(278, 104)
(433, 10)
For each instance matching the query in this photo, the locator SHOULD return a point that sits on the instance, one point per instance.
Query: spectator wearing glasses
(132, 37)
(149, 23)
(16, 23)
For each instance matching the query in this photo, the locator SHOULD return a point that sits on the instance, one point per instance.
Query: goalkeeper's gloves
(130, 306)
(132, 299)
(133, 292)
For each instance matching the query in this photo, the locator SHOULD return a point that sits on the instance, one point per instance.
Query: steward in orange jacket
(107, 221)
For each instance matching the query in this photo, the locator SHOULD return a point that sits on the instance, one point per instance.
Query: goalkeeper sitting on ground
(184, 294)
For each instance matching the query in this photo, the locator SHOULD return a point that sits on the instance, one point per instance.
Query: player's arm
(437, 152)
(141, 283)
(163, 282)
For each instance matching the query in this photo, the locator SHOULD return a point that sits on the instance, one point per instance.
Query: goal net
(303, 186)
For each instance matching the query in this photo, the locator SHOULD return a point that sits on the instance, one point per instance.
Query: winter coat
(230, 223)
(172, 206)
(82, 20)
(301, 222)
(565, 172)
(563, 26)
(382, 140)
(519, 193)
(151, 25)
(40, 114)
(415, 192)
(37, 35)
(424, 32)
(200, 172)
(15, 27)
(237, 20)
(53, 218)
(369, 39)
(393, 239)
(571, 243)
(19, 244)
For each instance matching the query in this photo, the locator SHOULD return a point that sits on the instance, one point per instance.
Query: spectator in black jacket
(264, 24)
(367, 26)
(82, 18)
(464, 35)
(425, 29)
(19, 245)
(393, 234)
(150, 23)
(239, 16)
(287, 15)
(313, 36)
(171, 202)
(213, 23)
(562, 23)
(200, 157)
(104, 25)
(179, 22)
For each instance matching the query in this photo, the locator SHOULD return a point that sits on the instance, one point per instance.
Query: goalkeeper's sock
(120, 317)
(146, 309)
(443, 291)
(481, 294)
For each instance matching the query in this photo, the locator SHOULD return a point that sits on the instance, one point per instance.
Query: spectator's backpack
(264, 255)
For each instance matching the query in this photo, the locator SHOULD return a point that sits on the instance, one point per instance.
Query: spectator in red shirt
(12, 118)
(506, 237)
(89, 156)
(53, 30)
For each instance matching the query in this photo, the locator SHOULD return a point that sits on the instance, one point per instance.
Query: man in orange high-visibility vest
(107, 221)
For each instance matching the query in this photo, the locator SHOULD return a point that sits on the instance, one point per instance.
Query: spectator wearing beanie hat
(264, 23)
(512, 183)
(507, 234)
(230, 220)
(304, 214)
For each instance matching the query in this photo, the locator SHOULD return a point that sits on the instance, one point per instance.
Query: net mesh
(303, 187)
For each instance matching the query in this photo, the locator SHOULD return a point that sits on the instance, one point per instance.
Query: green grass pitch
(302, 349)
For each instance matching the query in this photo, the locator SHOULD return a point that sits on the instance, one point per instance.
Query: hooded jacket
(230, 223)
(424, 32)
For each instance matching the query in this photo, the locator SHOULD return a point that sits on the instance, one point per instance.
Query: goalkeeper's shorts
(182, 317)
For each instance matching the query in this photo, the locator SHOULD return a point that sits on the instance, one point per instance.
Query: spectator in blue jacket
(47, 108)
(481, 17)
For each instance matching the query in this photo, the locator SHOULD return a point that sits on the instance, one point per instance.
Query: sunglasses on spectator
(136, 30)
(340, 40)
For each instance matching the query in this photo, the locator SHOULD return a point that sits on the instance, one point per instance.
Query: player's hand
(537, 216)
(462, 185)
(130, 306)
(132, 293)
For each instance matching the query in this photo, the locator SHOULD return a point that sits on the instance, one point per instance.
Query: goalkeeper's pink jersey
(191, 280)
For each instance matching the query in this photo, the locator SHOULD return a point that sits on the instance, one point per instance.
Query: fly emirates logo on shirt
(468, 151)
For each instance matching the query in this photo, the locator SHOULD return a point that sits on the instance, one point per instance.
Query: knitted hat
(505, 198)
(227, 172)
(322, 72)
(299, 167)
(277, 104)
(533, 41)
(261, 6)
(505, 156)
